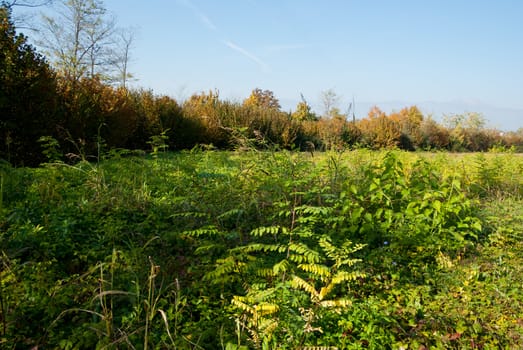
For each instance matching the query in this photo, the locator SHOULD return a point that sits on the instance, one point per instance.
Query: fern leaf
(350, 247)
(260, 247)
(310, 255)
(345, 276)
(264, 309)
(191, 215)
(324, 291)
(268, 326)
(340, 254)
(239, 302)
(347, 262)
(316, 269)
(313, 211)
(225, 270)
(258, 296)
(300, 283)
(265, 273)
(230, 213)
(338, 303)
(205, 249)
(296, 258)
(268, 230)
(329, 249)
(258, 286)
(204, 231)
(281, 267)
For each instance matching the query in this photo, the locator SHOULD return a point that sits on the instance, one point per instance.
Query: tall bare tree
(121, 56)
(101, 36)
(77, 39)
(330, 100)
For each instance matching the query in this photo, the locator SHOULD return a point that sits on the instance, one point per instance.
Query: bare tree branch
(26, 3)
(80, 39)
(24, 20)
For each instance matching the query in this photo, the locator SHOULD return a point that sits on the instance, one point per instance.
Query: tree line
(77, 102)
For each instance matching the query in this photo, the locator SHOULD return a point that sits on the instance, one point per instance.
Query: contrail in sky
(247, 54)
(207, 21)
(210, 25)
(201, 15)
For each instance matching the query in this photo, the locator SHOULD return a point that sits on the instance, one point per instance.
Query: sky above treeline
(446, 56)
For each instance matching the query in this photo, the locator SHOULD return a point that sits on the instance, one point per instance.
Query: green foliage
(259, 249)
(28, 101)
(50, 148)
(405, 216)
(159, 143)
(500, 148)
(304, 112)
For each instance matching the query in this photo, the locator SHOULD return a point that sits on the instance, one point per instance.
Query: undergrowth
(261, 249)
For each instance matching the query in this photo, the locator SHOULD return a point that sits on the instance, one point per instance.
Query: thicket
(260, 249)
(81, 115)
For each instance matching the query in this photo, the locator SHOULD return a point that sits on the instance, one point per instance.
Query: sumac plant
(287, 279)
(409, 212)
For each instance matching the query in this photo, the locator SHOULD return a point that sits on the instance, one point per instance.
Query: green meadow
(251, 249)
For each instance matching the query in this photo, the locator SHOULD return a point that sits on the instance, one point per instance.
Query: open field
(272, 250)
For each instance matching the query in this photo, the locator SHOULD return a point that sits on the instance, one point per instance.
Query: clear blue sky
(447, 56)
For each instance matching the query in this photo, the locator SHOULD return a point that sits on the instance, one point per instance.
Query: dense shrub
(379, 130)
(28, 103)
(85, 117)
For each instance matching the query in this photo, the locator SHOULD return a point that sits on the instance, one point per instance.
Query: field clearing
(272, 250)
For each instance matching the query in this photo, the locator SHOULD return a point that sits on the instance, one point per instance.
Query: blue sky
(446, 56)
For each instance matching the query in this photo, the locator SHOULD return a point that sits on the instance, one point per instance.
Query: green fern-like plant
(291, 275)
(329, 276)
